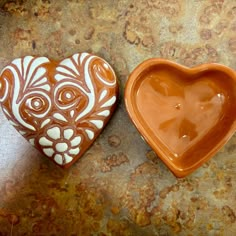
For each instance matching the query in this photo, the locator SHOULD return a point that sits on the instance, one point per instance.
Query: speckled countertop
(119, 187)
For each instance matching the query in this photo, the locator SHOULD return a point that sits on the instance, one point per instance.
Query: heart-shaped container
(185, 114)
(60, 107)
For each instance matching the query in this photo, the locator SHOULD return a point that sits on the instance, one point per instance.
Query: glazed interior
(187, 114)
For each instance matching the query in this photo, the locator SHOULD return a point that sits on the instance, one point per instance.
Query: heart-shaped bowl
(185, 114)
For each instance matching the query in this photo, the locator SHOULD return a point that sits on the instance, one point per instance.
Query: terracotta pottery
(59, 107)
(185, 114)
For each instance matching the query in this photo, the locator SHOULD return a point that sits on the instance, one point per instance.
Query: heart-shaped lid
(59, 107)
(185, 114)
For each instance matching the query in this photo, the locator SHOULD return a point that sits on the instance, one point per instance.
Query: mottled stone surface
(119, 187)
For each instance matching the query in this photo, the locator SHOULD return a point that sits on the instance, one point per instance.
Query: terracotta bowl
(185, 114)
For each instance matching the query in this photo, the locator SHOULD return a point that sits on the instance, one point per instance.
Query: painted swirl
(25, 75)
(103, 72)
(74, 72)
(35, 104)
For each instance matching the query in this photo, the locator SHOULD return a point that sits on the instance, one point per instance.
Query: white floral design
(61, 144)
(47, 107)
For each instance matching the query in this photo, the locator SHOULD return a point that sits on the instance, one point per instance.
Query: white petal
(103, 94)
(68, 63)
(82, 56)
(45, 142)
(48, 151)
(39, 73)
(104, 113)
(58, 159)
(61, 147)
(18, 62)
(74, 151)
(97, 123)
(72, 113)
(59, 77)
(68, 158)
(42, 81)
(76, 57)
(76, 141)
(90, 134)
(45, 123)
(110, 102)
(64, 70)
(68, 133)
(45, 87)
(54, 133)
(59, 117)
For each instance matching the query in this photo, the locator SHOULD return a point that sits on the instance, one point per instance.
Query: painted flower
(61, 144)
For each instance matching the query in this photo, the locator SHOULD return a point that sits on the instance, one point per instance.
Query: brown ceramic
(186, 115)
(59, 107)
